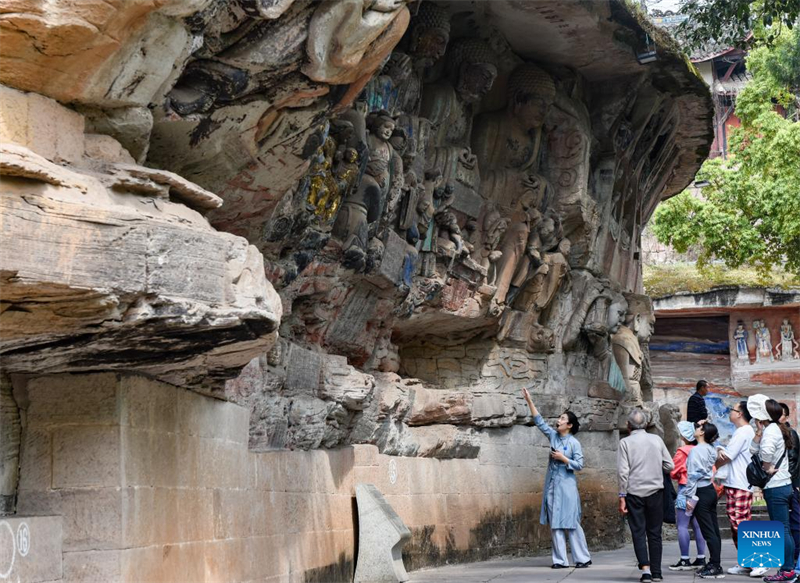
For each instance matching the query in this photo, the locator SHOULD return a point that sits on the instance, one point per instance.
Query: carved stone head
(640, 318)
(616, 313)
(351, 156)
(430, 33)
(399, 140)
(410, 153)
(342, 130)
(475, 66)
(531, 92)
(381, 125)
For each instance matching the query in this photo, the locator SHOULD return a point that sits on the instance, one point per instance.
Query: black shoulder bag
(756, 474)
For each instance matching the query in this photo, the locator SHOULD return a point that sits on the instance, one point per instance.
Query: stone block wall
(155, 483)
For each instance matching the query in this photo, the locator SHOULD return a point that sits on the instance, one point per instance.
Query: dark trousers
(706, 514)
(645, 517)
(794, 522)
(779, 501)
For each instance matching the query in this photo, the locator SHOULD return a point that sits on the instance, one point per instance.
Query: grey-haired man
(642, 459)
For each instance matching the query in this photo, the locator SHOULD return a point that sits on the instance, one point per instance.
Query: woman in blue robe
(561, 503)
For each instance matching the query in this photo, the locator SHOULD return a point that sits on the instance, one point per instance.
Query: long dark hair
(775, 412)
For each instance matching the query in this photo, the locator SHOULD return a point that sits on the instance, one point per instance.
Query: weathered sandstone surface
(367, 223)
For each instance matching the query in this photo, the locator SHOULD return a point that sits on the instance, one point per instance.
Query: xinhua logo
(761, 544)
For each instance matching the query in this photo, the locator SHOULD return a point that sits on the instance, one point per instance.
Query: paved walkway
(618, 566)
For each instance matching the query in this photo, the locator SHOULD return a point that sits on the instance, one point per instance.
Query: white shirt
(738, 451)
(771, 449)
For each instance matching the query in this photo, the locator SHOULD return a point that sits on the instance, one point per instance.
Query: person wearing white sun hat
(772, 442)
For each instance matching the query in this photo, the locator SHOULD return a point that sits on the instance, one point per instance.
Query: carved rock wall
(398, 215)
(112, 266)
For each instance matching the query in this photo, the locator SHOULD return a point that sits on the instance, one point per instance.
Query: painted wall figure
(763, 342)
(788, 347)
(740, 337)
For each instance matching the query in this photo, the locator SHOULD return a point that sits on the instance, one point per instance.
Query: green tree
(729, 22)
(750, 211)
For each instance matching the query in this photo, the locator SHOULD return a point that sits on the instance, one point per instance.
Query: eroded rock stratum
(367, 221)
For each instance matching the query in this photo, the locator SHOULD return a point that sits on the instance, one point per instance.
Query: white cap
(757, 407)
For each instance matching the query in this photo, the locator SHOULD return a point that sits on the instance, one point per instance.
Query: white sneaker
(759, 572)
(739, 570)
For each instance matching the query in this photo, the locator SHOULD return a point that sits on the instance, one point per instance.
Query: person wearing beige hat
(772, 442)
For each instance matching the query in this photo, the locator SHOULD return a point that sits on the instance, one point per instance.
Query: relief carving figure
(448, 235)
(448, 103)
(407, 211)
(627, 345)
(399, 143)
(763, 341)
(365, 203)
(430, 33)
(486, 242)
(512, 268)
(604, 320)
(425, 205)
(547, 270)
(333, 170)
(740, 337)
(348, 39)
(788, 348)
(388, 91)
(428, 205)
(511, 138)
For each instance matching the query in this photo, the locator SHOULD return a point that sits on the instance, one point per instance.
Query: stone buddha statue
(430, 33)
(511, 138)
(472, 69)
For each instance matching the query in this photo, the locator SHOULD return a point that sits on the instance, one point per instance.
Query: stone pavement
(617, 566)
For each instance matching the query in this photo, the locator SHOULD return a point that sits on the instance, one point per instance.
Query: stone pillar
(381, 536)
(9, 447)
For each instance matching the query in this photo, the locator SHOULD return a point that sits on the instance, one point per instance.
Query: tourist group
(762, 456)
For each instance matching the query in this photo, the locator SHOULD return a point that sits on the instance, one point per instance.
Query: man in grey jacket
(642, 459)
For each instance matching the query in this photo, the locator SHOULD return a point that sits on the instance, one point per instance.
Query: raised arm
(531, 406)
(537, 417)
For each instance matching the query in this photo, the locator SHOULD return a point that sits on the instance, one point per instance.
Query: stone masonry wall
(154, 483)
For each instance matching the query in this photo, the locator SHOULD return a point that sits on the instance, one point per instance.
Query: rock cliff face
(367, 221)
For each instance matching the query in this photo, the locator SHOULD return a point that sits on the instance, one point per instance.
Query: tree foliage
(729, 22)
(750, 211)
